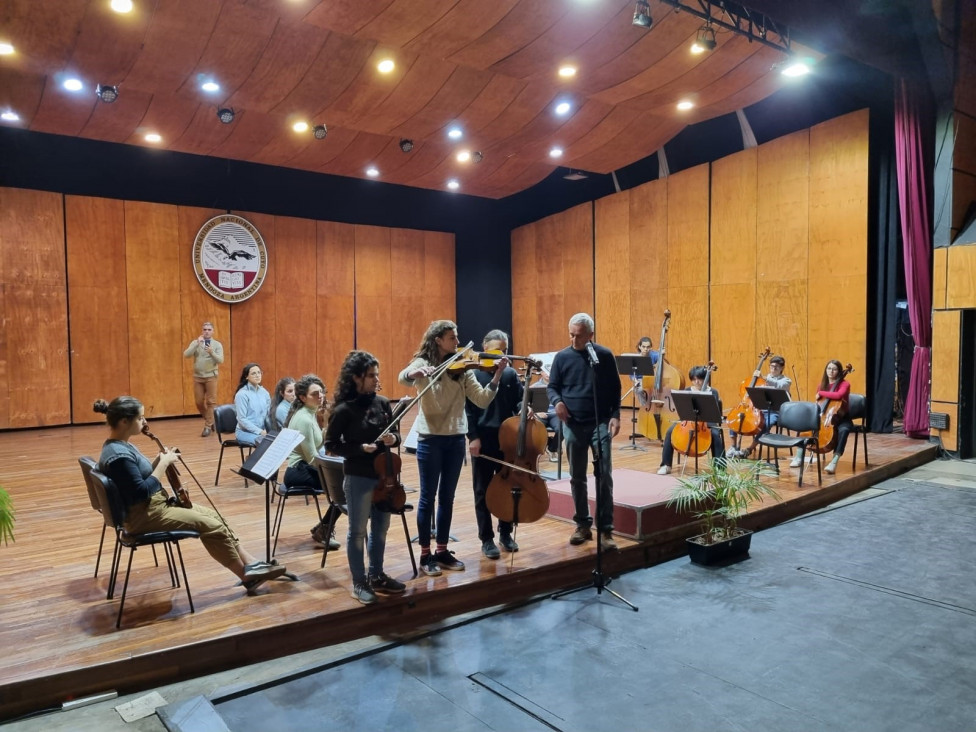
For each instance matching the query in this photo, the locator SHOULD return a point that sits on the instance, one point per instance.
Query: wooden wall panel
(733, 219)
(408, 257)
(551, 293)
(374, 303)
(782, 208)
(837, 327)
(614, 271)
(440, 286)
(648, 261)
(945, 355)
(575, 240)
(296, 279)
(525, 284)
(197, 306)
(4, 365)
(688, 217)
(940, 263)
(949, 437)
(733, 332)
(961, 277)
(35, 369)
(781, 323)
(98, 324)
(335, 321)
(153, 292)
(688, 337)
(253, 337)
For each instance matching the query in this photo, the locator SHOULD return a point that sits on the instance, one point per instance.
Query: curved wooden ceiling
(488, 66)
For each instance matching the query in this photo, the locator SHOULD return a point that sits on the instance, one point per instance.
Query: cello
(694, 439)
(744, 418)
(180, 495)
(517, 493)
(831, 412)
(659, 402)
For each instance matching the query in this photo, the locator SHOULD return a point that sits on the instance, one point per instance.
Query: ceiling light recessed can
(455, 133)
(153, 137)
(9, 116)
(73, 84)
(563, 108)
(684, 105)
(567, 71)
(122, 6)
(556, 152)
(453, 184)
(372, 171)
(6, 49)
(210, 86)
(300, 126)
(386, 66)
(798, 68)
(463, 156)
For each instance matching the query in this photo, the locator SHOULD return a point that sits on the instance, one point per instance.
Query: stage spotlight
(477, 157)
(642, 14)
(320, 131)
(406, 145)
(705, 40)
(106, 93)
(225, 115)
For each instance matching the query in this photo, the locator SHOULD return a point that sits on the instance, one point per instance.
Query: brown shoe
(318, 536)
(581, 534)
(206, 431)
(607, 543)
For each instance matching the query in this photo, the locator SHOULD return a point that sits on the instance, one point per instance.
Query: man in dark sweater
(571, 384)
(483, 427)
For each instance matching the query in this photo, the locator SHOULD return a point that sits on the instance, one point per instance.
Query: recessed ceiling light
(684, 105)
(73, 84)
(372, 171)
(386, 66)
(563, 108)
(455, 133)
(122, 6)
(10, 116)
(153, 137)
(464, 156)
(6, 49)
(210, 86)
(453, 184)
(567, 71)
(300, 126)
(556, 152)
(798, 68)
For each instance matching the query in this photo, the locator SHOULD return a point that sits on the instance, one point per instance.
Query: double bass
(517, 493)
(659, 402)
(694, 439)
(744, 418)
(831, 412)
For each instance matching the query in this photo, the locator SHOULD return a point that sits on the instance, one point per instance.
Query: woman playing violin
(697, 376)
(834, 387)
(442, 425)
(146, 506)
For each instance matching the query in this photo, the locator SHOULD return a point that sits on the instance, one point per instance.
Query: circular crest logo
(230, 258)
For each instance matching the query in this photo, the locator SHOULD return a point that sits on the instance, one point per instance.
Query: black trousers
(482, 473)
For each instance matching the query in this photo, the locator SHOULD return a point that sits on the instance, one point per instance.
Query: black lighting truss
(738, 19)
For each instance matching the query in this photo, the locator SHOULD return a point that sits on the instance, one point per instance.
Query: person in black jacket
(571, 386)
(483, 427)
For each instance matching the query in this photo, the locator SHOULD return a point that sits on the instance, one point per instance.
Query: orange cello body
(519, 494)
(744, 418)
(694, 439)
(172, 474)
(659, 406)
(830, 413)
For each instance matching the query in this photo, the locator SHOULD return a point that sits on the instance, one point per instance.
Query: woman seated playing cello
(834, 387)
(697, 376)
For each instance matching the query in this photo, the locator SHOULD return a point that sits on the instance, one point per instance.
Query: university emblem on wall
(230, 258)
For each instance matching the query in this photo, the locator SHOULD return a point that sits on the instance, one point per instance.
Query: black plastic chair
(331, 476)
(112, 509)
(87, 465)
(801, 417)
(285, 492)
(857, 410)
(225, 423)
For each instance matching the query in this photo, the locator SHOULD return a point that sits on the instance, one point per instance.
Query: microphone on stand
(592, 353)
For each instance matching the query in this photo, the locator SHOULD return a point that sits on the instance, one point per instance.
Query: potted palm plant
(718, 496)
(6, 516)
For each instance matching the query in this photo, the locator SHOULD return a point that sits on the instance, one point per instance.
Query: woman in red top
(834, 387)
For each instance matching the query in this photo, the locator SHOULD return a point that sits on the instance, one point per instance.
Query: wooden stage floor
(57, 630)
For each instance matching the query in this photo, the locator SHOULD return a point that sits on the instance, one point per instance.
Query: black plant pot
(720, 552)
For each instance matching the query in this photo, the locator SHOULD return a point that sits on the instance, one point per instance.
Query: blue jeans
(439, 458)
(580, 439)
(359, 503)
(247, 438)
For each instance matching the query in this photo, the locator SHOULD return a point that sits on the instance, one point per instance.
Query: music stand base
(600, 584)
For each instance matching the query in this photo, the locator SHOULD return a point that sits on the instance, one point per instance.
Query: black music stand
(539, 401)
(697, 406)
(262, 466)
(635, 366)
(767, 399)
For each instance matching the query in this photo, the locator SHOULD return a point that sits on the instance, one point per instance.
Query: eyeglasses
(317, 392)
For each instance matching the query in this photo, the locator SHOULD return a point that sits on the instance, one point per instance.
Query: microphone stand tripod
(599, 581)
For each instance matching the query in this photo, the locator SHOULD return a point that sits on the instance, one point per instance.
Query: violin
(744, 418)
(172, 474)
(389, 491)
(694, 439)
(666, 379)
(517, 493)
(831, 412)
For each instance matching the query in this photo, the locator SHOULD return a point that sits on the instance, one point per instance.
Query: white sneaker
(731, 453)
(797, 459)
(831, 467)
(663, 470)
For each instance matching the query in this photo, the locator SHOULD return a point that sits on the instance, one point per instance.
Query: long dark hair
(122, 407)
(243, 379)
(428, 349)
(645, 339)
(301, 391)
(357, 363)
(278, 398)
(825, 382)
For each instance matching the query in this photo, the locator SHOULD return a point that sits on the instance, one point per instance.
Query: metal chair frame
(224, 425)
(802, 417)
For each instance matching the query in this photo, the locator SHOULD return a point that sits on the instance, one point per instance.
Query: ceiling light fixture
(567, 71)
(153, 137)
(73, 84)
(300, 126)
(455, 133)
(797, 68)
(684, 105)
(406, 145)
(642, 15)
(477, 157)
(372, 171)
(6, 49)
(210, 86)
(563, 108)
(464, 156)
(386, 66)
(453, 184)
(575, 175)
(556, 152)
(10, 116)
(122, 6)
(106, 93)
(320, 131)
(225, 115)
(705, 40)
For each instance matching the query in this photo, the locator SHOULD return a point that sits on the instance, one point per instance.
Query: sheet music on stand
(269, 455)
